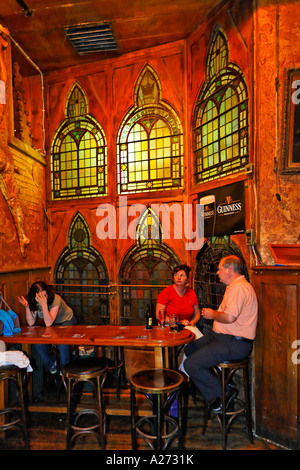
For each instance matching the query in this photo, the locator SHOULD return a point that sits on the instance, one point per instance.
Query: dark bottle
(148, 318)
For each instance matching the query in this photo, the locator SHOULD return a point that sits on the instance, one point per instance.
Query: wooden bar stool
(161, 387)
(15, 411)
(225, 372)
(92, 371)
(115, 366)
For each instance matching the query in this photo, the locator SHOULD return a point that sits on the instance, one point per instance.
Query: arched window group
(150, 139)
(149, 150)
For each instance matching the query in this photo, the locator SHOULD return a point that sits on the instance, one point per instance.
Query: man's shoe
(215, 406)
(53, 368)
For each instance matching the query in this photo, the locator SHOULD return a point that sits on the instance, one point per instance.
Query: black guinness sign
(223, 210)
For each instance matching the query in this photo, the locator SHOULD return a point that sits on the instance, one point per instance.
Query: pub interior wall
(277, 49)
(263, 41)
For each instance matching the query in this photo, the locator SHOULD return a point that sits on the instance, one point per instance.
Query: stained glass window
(78, 154)
(146, 270)
(81, 276)
(149, 141)
(220, 125)
(208, 286)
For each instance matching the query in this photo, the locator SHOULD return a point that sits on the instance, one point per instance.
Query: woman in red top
(179, 299)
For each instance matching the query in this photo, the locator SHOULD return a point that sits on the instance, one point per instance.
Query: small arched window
(220, 123)
(149, 141)
(78, 153)
(81, 276)
(146, 269)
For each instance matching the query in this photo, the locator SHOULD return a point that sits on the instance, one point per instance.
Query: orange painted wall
(277, 48)
(263, 42)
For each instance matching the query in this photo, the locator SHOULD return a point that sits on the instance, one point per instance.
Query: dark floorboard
(47, 432)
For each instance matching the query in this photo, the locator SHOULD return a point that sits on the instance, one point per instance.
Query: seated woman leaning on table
(179, 299)
(43, 306)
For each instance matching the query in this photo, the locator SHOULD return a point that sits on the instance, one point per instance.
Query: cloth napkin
(17, 358)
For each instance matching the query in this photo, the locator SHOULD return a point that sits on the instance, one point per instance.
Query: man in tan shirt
(232, 336)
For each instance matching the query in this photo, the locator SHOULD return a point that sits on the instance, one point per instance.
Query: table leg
(161, 357)
(158, 357)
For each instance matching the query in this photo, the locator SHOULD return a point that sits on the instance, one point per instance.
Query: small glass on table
(161, 319)
(173, 322)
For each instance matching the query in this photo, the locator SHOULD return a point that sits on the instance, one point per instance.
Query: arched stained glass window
(78, 154)
(81, 276)
(220, 124)
(208, 287)
(146, 270)
(149, 141)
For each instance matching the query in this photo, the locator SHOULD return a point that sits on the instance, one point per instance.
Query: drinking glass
(161, 318)
(173, 324)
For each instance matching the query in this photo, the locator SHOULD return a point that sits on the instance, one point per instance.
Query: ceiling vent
(87, 38)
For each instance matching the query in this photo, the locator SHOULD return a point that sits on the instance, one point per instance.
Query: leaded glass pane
(148, 158)
(76, 103)
(78, 155)
(149, 140)
(81, 276)
(79, 163)
(221, 119)
(145, 271)
(207, 284)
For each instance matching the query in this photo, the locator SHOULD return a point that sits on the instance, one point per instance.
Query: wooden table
(105, 335)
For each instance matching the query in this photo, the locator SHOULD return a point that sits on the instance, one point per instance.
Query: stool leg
(159, 422)
(68, 420)
(23, 413)
(248, 403)
(206, 417)
(224, 424)
(116, 358)
(180, 437)
(100, 411)
(133, 424)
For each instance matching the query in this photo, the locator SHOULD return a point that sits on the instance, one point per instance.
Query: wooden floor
(47, 431)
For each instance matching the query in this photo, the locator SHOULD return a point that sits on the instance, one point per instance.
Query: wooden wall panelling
(17, 283)
(277, 377)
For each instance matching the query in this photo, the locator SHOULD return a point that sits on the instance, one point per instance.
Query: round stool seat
(236, 363)
(162, 387)
(8, 370)
(156, 381)
(87, 368)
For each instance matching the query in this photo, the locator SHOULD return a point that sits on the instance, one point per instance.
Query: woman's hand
(185, 322)
(23, 301)
(41, 299)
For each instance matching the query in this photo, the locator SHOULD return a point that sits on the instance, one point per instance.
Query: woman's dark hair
(34, 289)
(182, 267)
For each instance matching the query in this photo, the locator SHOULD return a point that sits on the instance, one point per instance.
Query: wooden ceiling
(37, 26)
